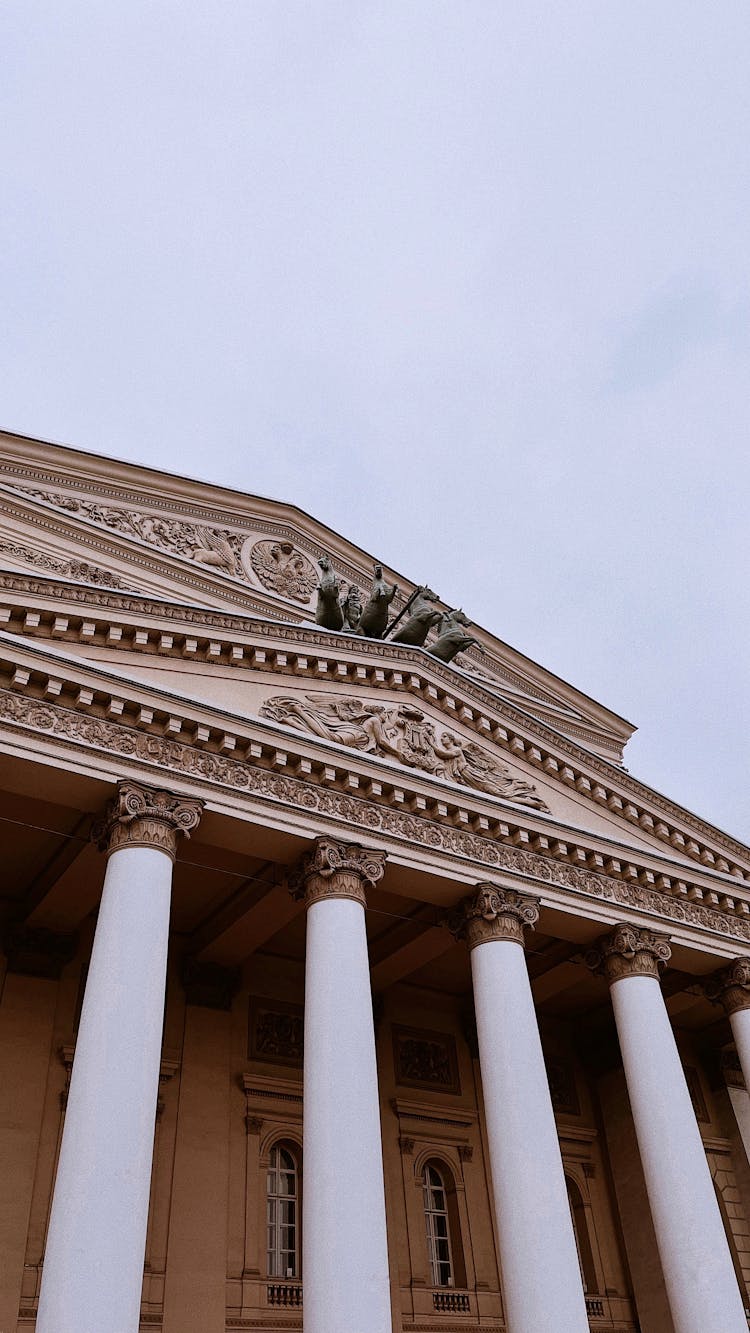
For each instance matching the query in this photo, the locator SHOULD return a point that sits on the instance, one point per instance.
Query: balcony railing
(286, 1294)
(455, 1301)
(594, 1306)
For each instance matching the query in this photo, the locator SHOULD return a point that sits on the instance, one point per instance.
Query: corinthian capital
(494, 913)
(629, 951)
(337, 870)
(139, 816)
(730, 986)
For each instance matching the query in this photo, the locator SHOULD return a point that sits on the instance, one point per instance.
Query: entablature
(54, 705)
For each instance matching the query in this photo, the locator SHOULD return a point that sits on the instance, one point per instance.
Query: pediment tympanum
(403, 732)
(277, 565)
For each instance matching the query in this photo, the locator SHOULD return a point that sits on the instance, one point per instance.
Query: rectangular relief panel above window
(276, 1032)
(425, 1059)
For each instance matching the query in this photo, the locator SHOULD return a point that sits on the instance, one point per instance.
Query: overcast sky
(469, 280)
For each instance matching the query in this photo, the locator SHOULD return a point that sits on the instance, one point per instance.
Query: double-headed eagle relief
(411, 626)
(402, 732)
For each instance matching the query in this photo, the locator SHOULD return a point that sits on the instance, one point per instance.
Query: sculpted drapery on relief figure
(402, 732)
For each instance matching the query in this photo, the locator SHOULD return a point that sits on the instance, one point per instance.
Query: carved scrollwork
(337, 870)
(80, 570)
(402, 732)
(494, 913)
(628, 951)
(139, 816)
(730, 986)
(204, 545)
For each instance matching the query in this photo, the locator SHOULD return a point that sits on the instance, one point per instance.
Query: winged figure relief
(402, 732)
(213, 549)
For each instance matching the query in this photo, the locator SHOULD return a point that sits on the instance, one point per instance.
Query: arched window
(581, 1233)
(438, 1230)
(282, 1213)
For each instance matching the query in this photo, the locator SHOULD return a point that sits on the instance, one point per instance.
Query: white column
(542, 1288)
(698, 1272)
(344, 1245)
(93, 1264)
(730, 987)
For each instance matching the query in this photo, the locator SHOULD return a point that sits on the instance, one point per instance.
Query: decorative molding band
(628, 951)
(495, 913)
(139, 816)
(76, 730)
(337, 870)
(730, 986)
(612, 792)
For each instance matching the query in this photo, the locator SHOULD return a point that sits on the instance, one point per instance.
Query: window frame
(276, 1198)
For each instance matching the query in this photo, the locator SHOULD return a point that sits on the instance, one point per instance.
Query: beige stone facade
(165, 689)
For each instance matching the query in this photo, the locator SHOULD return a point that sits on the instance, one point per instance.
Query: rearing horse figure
(375, 615)
(328, 611)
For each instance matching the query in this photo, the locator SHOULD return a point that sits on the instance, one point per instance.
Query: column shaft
(344, 1246)
(542, 1286)
(739, 1020)
(93, 1265)
(698, 1273)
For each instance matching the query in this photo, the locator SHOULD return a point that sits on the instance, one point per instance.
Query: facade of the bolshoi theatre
(349, 980)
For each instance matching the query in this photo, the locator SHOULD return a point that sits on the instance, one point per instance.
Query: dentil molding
(160, 752)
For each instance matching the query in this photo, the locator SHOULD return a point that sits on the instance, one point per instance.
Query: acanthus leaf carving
(629, 951)
(495, 913)
(139, 816)
(730, 986)
(402, 732)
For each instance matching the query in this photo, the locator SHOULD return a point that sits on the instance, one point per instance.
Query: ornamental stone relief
(110, 738)
(425, 1059)
(277, 1030)
(217, 547)
(401, 732)
(281, 568)
(80, 570)
(277, 565)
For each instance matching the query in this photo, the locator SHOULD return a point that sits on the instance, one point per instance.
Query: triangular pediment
(92, 520)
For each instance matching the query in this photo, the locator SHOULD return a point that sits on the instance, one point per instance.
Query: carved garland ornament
(337, 870)
(139, 816)
(80, 570)
(629, 951)
(402, 732)
(494, 913)
(730, 987)
(112, 738)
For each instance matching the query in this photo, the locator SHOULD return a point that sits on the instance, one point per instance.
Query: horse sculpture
(328, 611)
(422, 617)
(374, 618)
(452, 637)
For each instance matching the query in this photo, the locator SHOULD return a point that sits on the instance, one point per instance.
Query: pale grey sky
(468, 280)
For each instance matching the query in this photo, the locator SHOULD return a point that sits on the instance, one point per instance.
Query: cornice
(346, 658)
(292, 781)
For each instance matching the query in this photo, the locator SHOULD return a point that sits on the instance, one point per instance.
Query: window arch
(581, 1235)
(283, 1212)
